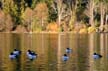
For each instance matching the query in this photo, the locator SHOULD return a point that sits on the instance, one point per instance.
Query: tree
(103, 10)
(91, 8)
(60, 9)
(2, 21)
(41, 14)
(14, 8)
(27, 17)
(6, 22)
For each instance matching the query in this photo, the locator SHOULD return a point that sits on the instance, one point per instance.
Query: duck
(28, 52)
(68, 50)
(31, 55)
(65, 57)
(97, 56)
(16, 52)
(12, 56)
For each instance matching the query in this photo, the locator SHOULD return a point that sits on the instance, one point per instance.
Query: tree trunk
(106, 21)
(102, 15)
(59, 19)
(91, 21)
(60, 10)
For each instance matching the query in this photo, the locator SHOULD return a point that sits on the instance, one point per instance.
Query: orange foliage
(1, 14)
(20, 29)
(6, 22)
(52, 27)
(2, 19)
(41, 14)
(41, 10)
(28, 14)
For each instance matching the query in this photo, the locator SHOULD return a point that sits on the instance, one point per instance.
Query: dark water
(50, 48)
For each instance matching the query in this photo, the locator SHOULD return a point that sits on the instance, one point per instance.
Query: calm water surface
(50, 48)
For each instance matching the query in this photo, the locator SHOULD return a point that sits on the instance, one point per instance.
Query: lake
(50, 47)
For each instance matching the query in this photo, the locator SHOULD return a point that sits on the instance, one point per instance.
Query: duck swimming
(96, 56)
(68, 50)
(31, 55)
(65, 57)
(12, 56)
(16, 52)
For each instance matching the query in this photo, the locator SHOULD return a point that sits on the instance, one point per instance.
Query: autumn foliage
(52, 27)
(54, 16)
(6, 22)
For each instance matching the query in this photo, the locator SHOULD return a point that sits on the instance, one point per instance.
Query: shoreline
(53, 32)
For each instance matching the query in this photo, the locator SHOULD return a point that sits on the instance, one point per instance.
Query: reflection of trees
(102, 44)
(83, 52)
(63, 43)
(98, 42)
(106, 37)
(82, 49)
(103, 51)
(74, 45)
(6, 47)
(52, 52)
(91, 47)
(59, 52)
(5, 50)
(16, 43)
(97, 48)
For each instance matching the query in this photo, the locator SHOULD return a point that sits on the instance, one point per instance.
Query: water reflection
(50, 48)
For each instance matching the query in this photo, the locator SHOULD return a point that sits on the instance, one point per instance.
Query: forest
(76, 16)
